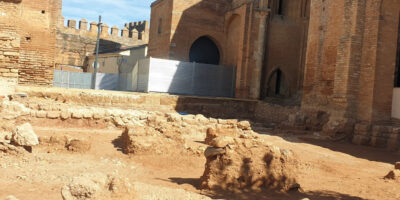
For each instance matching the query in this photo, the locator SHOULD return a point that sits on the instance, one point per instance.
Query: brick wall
(37, 22)
(286, 47)
(9, 45)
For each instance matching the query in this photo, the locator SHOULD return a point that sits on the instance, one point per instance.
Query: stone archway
(204, 50)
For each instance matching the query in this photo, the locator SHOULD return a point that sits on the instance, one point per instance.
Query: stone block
(77, 114)
(379, 142)
(88, 114)
(10, 74)
(393, 143)
(4, 70)
(53, 114)
(65, 115)
(362, 129)
(41, 114)
(361, 140)
(10, 53)
(397, 165)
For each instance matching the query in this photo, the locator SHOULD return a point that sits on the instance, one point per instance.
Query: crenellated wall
(75, 41)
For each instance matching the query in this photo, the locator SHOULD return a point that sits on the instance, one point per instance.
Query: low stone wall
(377, 136)
(225, 108)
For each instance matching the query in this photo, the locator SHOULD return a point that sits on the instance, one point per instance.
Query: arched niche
(277, 86)
(204, 50)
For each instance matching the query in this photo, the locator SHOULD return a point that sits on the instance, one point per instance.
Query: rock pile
(97, 186)
(237, 163)
(168, 133)
(394, 174)
(23, 137)
(148, 140)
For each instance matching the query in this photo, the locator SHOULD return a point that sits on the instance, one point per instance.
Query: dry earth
(326, 170)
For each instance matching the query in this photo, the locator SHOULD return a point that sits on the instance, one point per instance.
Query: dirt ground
(327, 170)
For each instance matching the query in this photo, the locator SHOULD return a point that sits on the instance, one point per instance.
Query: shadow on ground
(118, 143)
(363, 152)
(262, 195)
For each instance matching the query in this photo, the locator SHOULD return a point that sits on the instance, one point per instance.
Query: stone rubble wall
(225, 108)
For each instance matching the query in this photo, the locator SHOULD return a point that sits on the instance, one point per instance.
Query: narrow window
(43, 11)
(280, 7)
(160, 26)
(397, 72)
(278, 82)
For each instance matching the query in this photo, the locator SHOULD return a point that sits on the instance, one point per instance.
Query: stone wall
(74, 43)
(225, 108)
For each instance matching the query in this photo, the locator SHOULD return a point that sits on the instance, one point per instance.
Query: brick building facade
(265, 40)
(337, 57)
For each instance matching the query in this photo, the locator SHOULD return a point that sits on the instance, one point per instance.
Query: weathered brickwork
(27, 32)
(253, 35)
(34, 40)
(76, 41)
(350, 65)
(338, 55)
(9, 42)
(38, 21)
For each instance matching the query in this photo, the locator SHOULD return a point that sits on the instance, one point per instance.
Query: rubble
(249, 164)
(25, 136)
(79, 146)
(393, 175)
(97, 186)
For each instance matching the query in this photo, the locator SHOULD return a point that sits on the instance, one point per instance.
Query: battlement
(135, 31)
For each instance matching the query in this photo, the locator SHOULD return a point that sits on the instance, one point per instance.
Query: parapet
(136, 31)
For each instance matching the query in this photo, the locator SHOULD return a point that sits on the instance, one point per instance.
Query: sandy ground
(327, 170)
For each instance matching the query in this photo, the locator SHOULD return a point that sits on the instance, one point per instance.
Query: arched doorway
(204, 50)
(276, 85)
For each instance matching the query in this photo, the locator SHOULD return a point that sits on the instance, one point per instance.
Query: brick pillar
(259, 51)
(347, 70)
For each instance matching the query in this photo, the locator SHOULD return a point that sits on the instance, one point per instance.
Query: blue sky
(114, 12)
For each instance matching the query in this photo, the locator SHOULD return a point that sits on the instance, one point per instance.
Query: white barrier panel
(396, 103)
(176, 77)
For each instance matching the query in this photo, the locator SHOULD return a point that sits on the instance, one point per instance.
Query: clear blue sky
(114, 12)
